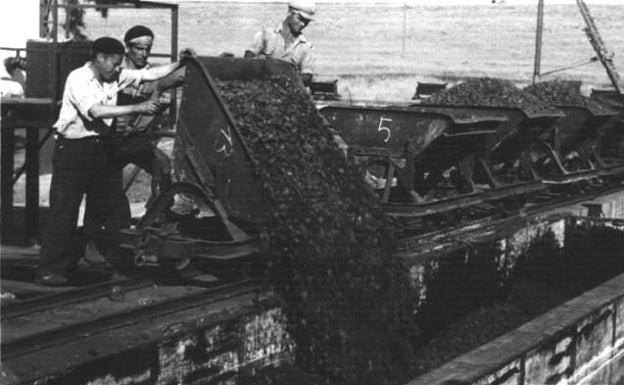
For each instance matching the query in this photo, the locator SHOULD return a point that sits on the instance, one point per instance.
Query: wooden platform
(17, 268)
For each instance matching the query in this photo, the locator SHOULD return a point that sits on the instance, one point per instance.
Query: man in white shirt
(286, 41)
(81, 163)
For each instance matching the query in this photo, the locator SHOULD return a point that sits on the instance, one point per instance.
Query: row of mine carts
(425, 158)
(422, 159)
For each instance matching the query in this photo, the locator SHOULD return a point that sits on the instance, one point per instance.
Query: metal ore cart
(575, 138)
(611, 141)
(217, 208)
(426, 160)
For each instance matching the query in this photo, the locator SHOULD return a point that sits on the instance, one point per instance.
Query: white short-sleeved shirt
(82, 92)
(270, 43)
(11, 88)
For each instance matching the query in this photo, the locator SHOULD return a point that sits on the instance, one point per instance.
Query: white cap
(305, 8)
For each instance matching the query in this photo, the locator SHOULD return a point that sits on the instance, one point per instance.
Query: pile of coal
(330, 247)
(564, 93)
(491, 92)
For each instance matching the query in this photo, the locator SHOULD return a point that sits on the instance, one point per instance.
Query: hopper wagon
(611, 142)
(430, 159)
(216, 209)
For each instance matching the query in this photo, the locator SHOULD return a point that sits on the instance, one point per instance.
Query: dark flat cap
(108, 45)
(138, 31)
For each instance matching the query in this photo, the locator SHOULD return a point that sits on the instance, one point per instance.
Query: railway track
(17, 344)
(72, 296)
(546, 201)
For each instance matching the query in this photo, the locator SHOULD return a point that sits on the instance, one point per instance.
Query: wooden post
(6, 173)
(32, 182)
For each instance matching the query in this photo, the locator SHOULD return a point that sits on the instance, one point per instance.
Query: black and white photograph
(311, 192)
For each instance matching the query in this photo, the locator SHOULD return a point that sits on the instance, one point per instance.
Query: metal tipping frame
(218, 172)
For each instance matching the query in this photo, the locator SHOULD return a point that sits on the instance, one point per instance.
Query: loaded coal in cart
(251, 146)
(256, 164)
(480, 141)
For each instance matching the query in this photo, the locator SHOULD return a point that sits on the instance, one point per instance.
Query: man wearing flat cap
(131, 142)
(286, 41)
(82, 162)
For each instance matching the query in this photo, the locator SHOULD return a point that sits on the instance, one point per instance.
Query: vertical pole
(174, 57)
(54, 65)
(538, 41)
(7, 142)
(42, 21)
(55, 6)
(32, 182)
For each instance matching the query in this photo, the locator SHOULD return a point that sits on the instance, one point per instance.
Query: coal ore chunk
(331, 249)
(563, 93)
(491, 92)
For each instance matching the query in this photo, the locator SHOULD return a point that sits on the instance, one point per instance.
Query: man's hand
(148, 107)
(186, 54)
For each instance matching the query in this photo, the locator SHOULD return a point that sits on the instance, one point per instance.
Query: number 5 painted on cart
(382, 128)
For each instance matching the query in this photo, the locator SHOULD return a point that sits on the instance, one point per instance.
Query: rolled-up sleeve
(257, 45)
(131, 78)
(308, 62)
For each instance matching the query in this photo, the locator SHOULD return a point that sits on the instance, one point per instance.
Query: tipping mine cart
(575, 139)
(525, 145)
(424, 160)
(612, 133)
(217, 209)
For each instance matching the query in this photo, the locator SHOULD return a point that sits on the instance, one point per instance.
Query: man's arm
(79, 92)
(174, 80)
(160, 72)
(100, 111)
(257, 45)
(307, 66)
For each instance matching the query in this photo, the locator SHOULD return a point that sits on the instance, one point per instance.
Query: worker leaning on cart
(132, 143)
(82, 160)
(286, 41)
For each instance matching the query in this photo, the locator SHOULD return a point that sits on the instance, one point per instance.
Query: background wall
(366, 46)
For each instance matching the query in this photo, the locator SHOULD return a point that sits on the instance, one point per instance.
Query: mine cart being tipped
(217, 208)
(428, 159)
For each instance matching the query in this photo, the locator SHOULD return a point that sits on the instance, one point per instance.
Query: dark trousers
(81, 166)
(141, 151)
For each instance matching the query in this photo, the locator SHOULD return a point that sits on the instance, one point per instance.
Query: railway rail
(49, 301)
(553, 202)
(20, 343)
